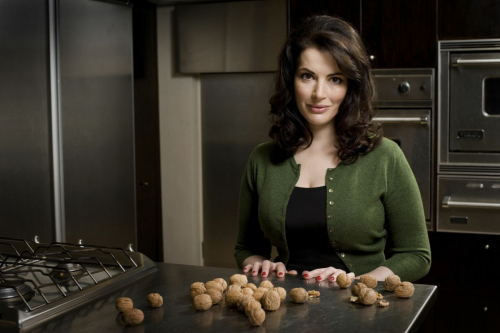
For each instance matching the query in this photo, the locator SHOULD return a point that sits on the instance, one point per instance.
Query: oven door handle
(459, 62)
(448, 203)
(424, 120)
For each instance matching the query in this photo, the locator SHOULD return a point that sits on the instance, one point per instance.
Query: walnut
(258, 293)
(380, 296)
(369, 280)
(404, 290)
(222, 282)
(232, 297)
(266, 284)
(256, 316)
(214, 285)
(133, 317)
(202, 302)
(123, 304)
(243, 302)
(271, 300)
(252, 304)
(391, 282)
(247, 291)
(367, 296)
(251, 286)
(354, 299)
(155, 300)
(383, 304)
(299, 295)
(343, 281)
(215, 295)
(313, 293)
(197, 288)
(281, 292)
(238, 279)
(234, 287)
(357, 288)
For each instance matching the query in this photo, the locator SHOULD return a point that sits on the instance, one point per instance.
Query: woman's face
(320, 87)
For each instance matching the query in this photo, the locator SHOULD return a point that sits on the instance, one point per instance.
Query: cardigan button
(331, 230)
(331, 203)
(350, 265)
(330, 178)
(330, 190)
(330, 216)
(330, 170)
(342, 255)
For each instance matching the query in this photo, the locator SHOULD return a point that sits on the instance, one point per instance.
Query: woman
(329, 190)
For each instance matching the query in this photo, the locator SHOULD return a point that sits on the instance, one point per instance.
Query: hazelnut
(258, 293)
(234, 287)
(197, 288)
(251, 286)
(238, 279)
(243, 302)
(155, 300)
(133, 317)
(123, 304)
(299, 295)
(369, 280)
(222, 282)
(357, 288)
(215, 295)
(202, 302)
(256, 316)
(271, 300)
(391, 282)
(266, 284)
(343, 281)
(367, 296)
(404, 290)
(232, 297)
(247, 291)
(281, 292)
(252, 304)
(214, 285)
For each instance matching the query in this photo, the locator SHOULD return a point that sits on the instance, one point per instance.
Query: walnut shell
(214, 285)
(357, 288)
(222, 282)
(369, 280)
(123, 304)
(256, 316)
(133, 317)
(271, 300)
(215, 295)
(234, 287)
(202, 302)
(238, 279)
(247, 291)
(258, 293)
(243, 302)
(343, 281)
(266, 284)
(232, 297)
(155, 300)
(367, 296)
(299, 295)
(252, 304)
(281, 292)
(404, 290)
(251, 286)
(197, 288)
(391, 282)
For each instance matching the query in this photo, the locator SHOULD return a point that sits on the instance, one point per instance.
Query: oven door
(474, 102)
(410, 129)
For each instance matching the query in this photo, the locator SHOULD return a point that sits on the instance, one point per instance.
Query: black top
(307, 233)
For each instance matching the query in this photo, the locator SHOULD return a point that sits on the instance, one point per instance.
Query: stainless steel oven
(404, 102)
(469, 136)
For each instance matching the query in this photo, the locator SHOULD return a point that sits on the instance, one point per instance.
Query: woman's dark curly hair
(356, 134)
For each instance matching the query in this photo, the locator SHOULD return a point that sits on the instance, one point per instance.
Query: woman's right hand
(265, 267)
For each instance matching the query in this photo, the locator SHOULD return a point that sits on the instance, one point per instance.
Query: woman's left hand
(323, 274)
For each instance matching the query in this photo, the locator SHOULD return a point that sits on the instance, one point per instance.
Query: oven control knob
(404, 88)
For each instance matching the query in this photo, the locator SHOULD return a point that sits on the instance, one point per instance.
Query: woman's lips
(318, 108)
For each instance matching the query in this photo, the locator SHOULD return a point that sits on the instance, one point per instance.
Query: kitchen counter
(331, 311)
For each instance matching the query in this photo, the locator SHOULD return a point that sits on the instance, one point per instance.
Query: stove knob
(404, 88)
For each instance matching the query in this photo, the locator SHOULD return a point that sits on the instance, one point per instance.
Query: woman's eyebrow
(310, 71)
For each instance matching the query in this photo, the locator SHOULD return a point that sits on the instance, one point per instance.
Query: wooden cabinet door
(400, 34)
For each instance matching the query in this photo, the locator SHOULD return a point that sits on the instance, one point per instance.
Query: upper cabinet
(300, 9)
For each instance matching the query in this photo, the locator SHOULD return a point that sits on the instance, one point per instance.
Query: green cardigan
(374, 200)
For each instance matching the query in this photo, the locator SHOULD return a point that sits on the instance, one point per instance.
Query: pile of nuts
(132, 316)
(363, 291)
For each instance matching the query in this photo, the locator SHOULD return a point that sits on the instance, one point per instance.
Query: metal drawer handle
(458, 61)
(424, 120)
(448, 202)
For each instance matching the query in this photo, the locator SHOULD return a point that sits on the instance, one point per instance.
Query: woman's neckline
(310, 188)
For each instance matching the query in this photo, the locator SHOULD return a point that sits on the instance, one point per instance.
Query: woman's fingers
(247, 268)
(266, 266)
(256, 267)
(337, 272)
(351, 276)
(312, 274)
(280, 269)
(329, 271)
(292, 272)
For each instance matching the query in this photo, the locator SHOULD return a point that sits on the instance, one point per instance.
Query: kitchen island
(331, 311)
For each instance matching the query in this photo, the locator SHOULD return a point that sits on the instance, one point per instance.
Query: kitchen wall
(180, 149)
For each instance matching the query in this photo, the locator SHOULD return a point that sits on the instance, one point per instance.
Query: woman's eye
(336, 80)
(306, 76)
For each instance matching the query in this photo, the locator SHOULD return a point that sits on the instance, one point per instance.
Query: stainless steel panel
(234, 111)
(414, 138)
(25, 153)
(96, 98)
(469, 204)
(393, 87)
(230, 37)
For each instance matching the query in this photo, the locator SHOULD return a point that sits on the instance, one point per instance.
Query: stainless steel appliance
(405, 100)
(39, 281)
(469, 136)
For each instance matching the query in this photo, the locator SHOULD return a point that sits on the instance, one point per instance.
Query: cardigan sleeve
(405, 222)
(250, 238)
